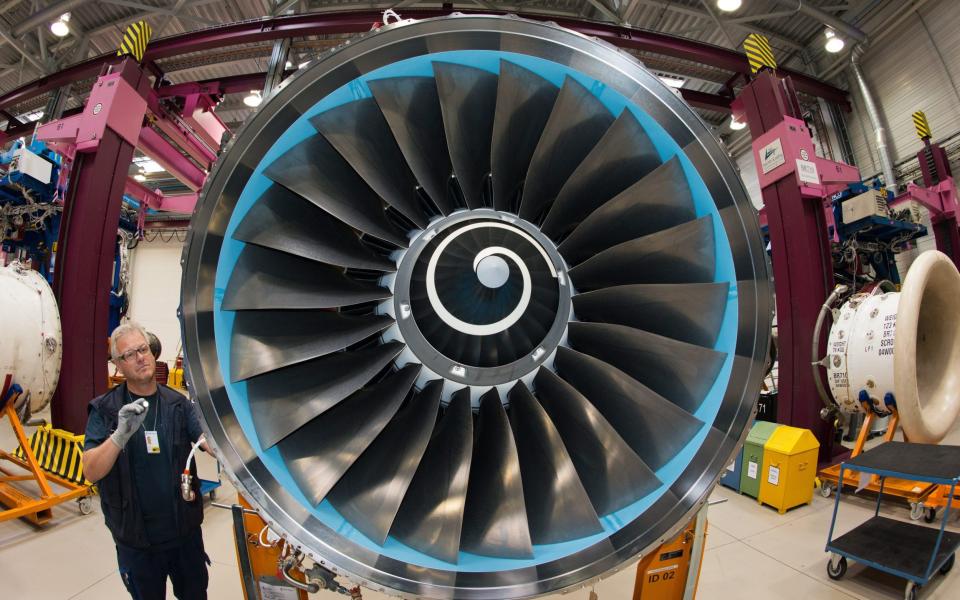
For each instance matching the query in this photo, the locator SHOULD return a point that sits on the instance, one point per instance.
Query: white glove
(129, 419)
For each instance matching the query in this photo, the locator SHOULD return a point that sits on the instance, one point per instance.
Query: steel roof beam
(9, 37)
(606, 10)
(44, 16)
(754, 18)
(162, 10)
(701, 14)
(118, 24)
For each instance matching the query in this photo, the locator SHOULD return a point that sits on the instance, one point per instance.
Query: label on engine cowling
(889, 334)
(860, 350)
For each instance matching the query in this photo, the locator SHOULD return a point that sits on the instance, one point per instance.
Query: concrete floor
(751, 552)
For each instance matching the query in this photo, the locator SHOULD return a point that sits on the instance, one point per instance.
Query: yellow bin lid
(791, 440)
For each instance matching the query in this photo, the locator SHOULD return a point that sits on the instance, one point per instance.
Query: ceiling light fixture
(140, 177)
(254, 99)
(148, 165)
(729, 5)
(834, 42)
(736, 125)
(60, 27)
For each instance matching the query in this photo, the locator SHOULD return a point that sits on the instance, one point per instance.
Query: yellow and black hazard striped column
(923, 127)
(759, 52)
(135, 40)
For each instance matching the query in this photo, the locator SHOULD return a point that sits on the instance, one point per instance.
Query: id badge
(153, 442)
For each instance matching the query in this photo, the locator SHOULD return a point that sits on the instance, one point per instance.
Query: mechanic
(138, 439)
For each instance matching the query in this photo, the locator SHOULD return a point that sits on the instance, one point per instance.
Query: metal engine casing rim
(472, 32)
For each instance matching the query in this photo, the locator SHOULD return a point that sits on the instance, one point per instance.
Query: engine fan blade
(315, 170)
(267, 279)
(681, 254)
(622, 156)
(468, 98)
(282, 220)
(361, 135)
(495, 522)
(265, 341)
(412, 109)
(430, 518)
(683, 373)
(320, 452)
(689, 312)
(370, 493)
(659, 201)
(558, 507)
(611, 472)
(654, 427)
(524, 101)
(577, 122)
(283, 401)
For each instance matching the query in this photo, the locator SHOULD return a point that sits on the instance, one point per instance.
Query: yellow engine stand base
(913, 492)
(910, 491)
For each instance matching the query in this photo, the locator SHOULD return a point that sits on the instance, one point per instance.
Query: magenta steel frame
(329, 23)
(104, 139)
(939, 195)
(797, 225)
(98, 145)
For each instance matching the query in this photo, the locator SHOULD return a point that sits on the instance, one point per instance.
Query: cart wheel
(213, 495)
(930, 515)
(948, 565)
(85, 504)
(916, 511)
(839, 570)
(826, 489)
(911, 592)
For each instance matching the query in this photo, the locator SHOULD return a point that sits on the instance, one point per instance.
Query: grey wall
(915, 67)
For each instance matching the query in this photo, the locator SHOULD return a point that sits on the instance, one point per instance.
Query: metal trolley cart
(907, 550)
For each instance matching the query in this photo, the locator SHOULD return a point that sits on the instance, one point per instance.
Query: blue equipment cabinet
(731, 475)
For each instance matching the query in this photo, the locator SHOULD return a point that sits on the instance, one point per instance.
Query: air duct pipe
(886, 163)
(849, 31)
(832, 21)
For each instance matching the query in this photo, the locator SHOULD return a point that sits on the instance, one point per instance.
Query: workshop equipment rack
(911, 551)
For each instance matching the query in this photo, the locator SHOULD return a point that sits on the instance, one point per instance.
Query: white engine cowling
(906, 344)
(30, 322)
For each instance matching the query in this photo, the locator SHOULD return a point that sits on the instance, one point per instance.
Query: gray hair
(123, 330)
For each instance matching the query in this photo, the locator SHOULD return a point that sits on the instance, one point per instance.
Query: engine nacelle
(32, 344)
(902, 347)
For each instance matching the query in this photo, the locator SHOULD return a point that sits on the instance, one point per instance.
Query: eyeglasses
(141, 351)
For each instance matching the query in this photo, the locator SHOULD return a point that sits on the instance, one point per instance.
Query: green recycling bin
(753, 457)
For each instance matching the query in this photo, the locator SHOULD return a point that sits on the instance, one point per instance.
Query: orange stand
(19, 503)
(914, 492)
(664, 573)
(264, 561)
